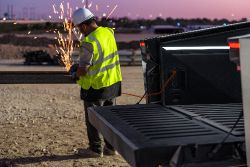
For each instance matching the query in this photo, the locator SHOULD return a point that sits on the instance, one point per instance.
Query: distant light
(150, 16)
(14, 23)
(49, 16)
(107, 6)
(4, 18)
(29, 32)
(178, 24)
(142, 44)
(224, 24)
(142, 27)
(104, 14)
(238, 68)
(35, 37)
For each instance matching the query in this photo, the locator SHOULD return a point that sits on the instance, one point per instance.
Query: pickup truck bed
(148, 135)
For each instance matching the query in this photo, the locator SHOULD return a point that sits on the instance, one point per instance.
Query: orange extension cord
(167, 82)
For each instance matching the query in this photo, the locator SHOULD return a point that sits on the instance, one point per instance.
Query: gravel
(43, 125)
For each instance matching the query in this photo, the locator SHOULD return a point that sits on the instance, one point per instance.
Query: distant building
(165, 29)
(198, 27)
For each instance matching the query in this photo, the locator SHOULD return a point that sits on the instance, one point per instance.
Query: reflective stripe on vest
(100, 60)
(108, 67)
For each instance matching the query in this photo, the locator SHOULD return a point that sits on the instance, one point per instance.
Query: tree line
(130, 23)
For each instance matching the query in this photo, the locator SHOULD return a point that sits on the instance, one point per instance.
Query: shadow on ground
(8, 162)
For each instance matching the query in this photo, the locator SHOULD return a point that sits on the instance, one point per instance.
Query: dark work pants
(96, 141)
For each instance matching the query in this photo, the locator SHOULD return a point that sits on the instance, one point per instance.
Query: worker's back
(105, 70)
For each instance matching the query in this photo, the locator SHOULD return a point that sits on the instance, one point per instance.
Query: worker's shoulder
(88, 46)
(107, 29)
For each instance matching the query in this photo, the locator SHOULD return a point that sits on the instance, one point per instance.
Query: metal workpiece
(35, 77)
(149, 135)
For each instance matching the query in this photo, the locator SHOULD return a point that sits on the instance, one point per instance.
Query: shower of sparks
(64, 48)
(112, 11)
(54, 9)
(70, 13)
(65, 45)
(68, 8)
(77, 33)
(62, 11)
(90, 5)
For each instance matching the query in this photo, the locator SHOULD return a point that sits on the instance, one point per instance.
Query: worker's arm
(86, 56)
(81, 71)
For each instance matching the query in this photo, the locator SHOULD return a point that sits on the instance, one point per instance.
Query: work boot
(89, 153)
(110, 152)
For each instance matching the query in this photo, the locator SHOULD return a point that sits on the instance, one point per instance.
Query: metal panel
(245, 77)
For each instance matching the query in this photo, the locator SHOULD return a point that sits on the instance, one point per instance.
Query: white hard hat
(81, 15)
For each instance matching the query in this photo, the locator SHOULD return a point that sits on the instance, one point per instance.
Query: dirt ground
(43, 125)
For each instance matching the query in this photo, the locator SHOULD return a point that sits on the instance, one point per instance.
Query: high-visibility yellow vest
(105, 70)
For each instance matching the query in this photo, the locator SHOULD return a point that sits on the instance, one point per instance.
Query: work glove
(72, 72)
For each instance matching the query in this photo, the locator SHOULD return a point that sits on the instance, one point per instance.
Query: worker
(98, 73)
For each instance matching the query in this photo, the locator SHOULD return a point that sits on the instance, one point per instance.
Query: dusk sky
(230, 9)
